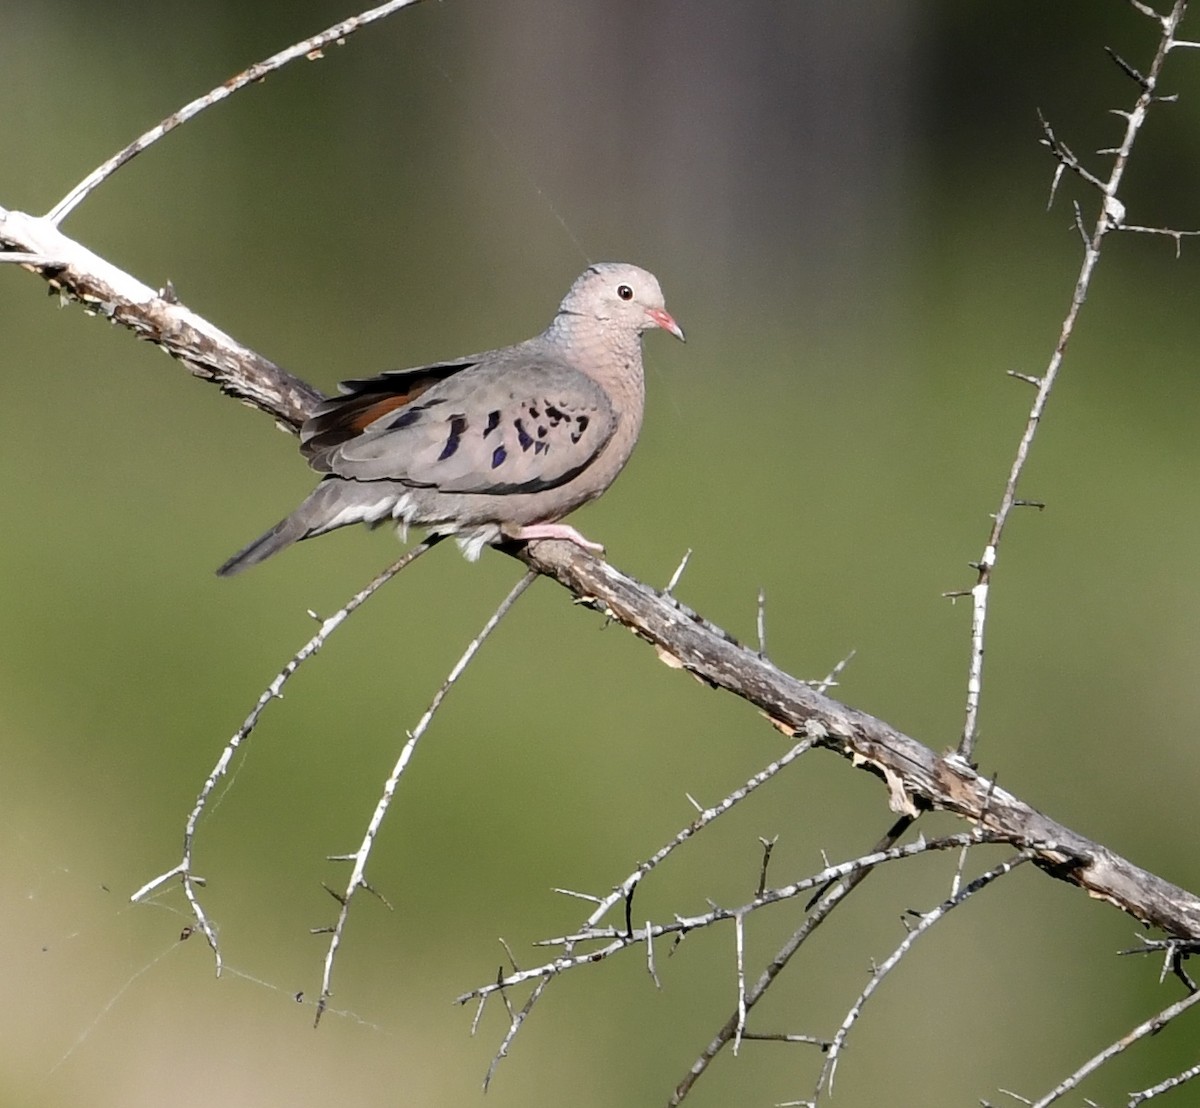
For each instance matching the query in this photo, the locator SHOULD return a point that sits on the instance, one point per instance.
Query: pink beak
(662, 318)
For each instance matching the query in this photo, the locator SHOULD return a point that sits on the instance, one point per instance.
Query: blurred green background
(846, 205)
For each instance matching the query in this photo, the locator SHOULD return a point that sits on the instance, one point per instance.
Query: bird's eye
(625, 292)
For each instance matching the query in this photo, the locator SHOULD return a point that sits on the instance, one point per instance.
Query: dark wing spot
(523, 438)
(540, 447)
(581, 423)
(405, 419)
(493, 421)
(458, 425)
(533, 412)
(498, 456)
(541, 430)
(554, 415)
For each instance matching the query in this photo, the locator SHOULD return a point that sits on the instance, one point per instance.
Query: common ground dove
(491, 447)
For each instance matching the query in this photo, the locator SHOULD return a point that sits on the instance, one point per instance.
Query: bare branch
(926, 922)
(928, 779)
(310, 48)
(1111, 217)
(1164, 1086)
(362, 855)
(274, 691)
(77, 274)
(618, 939)
(1149, 1027)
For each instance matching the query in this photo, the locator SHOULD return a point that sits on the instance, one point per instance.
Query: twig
(1168, 232)
(362, 854)
(1164, 1086)
(1111, 217)
(1148, 1027)
(829, 1066)
(310, 48)
(273, 691)
(739, 935)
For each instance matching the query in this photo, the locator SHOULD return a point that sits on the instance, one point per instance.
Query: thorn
(762, 623)
(1038, 504)
(512, 960)
(340, 857)
(955, 594)
(339, 897)
(678, 572)
(1127, 69)
(1028, 378)
(1079, 224)
(378, 896)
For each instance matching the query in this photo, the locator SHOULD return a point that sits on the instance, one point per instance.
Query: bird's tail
(287, 531)
(333, 503)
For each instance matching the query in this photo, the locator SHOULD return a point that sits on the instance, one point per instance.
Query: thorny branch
(309, 48)
(927, 920)
(274, 691)
(360, 857)
(1146, 1028)
(1111, 217)
(618, 937)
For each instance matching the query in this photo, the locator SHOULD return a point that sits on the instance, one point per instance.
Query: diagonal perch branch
(916, 776)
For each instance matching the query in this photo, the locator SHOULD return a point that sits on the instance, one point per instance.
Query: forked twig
(273, 691)
(362, 854)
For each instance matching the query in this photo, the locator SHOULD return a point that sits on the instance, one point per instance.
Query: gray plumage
(491, 447)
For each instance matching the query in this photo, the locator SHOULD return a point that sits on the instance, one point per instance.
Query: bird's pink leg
(554, 531)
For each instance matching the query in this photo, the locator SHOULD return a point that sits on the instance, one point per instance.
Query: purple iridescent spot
(523, 436)
(498, 456)
(405, 419)
(458, 424)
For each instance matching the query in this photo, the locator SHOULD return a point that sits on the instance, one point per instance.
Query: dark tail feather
(283, 534)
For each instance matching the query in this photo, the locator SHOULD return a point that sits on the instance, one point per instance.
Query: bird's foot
(554, 531)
